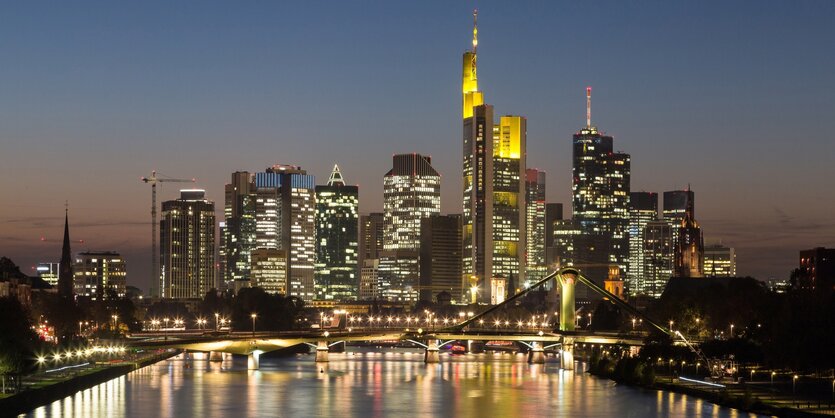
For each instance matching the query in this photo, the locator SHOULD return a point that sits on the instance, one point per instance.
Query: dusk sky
(734, 98)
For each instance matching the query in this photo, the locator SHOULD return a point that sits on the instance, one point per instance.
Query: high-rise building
(237, 232)
(440, 257)
(720, 261)
(659, 249)
(494, 191)
(285, 219)
(372, 230)
(536, 267)
(817, 270)
(677, 205)
(269, 270)
(337, 212)
(553, 213)
(600, 202)
(187, 246)
(48, 272)
(411, 192)
(65, 276)
(99, 272)
(643, 209)
(369, 279)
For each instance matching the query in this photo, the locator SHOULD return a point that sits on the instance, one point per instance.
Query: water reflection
(370, 384)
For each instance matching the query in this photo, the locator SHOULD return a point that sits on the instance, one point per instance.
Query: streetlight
(794, 383)
(253, 316)
(732, 330)
(633, 324)
(772, 378)
(217, 320)
(671, 325)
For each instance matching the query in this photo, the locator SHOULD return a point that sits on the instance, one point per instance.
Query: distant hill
(10, 270)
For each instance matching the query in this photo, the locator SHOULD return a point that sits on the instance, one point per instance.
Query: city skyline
(766, 217)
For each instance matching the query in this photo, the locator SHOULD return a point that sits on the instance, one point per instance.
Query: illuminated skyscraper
(720, 261)
(285, 219)
(659, 249)
(187, 244)
(494, 191)
(269, 270)
(536, 267)
(337, 213)
(371, 235)
(643, 209)
(411, 192)
(553, 213)
(98, 272)
(48, 272)
(238, 229)
(600, 201)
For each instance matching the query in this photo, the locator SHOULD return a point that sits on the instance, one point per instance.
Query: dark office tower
(411, 192)
(285, 220)
(65, 275)
(659, 249)
(187, 245)
(536, 267)
(337, 212)
(816, 271)
(643, 209)
(371, 236)
(601, 202)
(237, 230)
(677, 204)
(553, 213)
(690, 249)
(440, 258)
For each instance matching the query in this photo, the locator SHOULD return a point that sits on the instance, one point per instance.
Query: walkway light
(254, 316)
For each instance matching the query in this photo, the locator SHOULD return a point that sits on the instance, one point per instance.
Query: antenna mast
(588, 107)
(475, 30)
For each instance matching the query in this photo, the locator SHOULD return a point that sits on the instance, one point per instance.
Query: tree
(17, 340)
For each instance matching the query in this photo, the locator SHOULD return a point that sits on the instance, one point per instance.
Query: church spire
(336, 177)
(65, 279)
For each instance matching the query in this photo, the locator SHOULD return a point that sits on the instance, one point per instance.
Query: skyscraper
(285, 219)
(440, 257)
(337, 212)
(65, 276)
(677, 205)
(493, 199)
(411, 192)
(237, 239)
(371, 235)
(48, 272)
(658, 250)
(720, 261)
(98, 272)
(536, 267)
(187, 246)
(553, 213)
(643, 209)
(600, 201)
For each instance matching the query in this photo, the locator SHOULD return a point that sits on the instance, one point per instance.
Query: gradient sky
(735, 98)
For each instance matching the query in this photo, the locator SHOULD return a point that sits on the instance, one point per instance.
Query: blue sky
(734, 98)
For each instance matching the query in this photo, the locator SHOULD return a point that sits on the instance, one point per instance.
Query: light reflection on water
(370, 384)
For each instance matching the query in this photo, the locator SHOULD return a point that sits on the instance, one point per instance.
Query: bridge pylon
(567, 354)
(322, 351)
(537, 353)
(432, 353)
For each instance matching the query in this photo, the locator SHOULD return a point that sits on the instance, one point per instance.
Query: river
(366, 383)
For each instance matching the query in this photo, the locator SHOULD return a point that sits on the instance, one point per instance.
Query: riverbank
(39, 395)
(748, 398)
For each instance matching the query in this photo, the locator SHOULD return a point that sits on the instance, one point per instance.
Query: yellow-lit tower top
(469, 79)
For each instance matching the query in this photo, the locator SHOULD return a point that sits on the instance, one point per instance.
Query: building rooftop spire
(336, 177)
(588, 107)
(65, 276)
(475, 30)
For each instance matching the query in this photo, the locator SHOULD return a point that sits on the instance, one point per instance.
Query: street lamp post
(772, 378)
(794, 384)
(732, 331)
(217, 319)
(253, 316)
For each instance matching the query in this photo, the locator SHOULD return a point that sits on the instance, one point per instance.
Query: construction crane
(153, 180)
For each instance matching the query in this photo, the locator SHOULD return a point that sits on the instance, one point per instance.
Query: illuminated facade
(99, 272)
(658, 251)
(269, 270)
(411, 192)
(237, 232)
(677, 205)
(369, 274)
(48, 272)
(536, 267)
(720, 261)
(690, 249)
(553, 213)
(285, 219)
(494, 190)
(643, 209)
(337, 216)
(372, 230)
(187, 244)
(600, 193)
